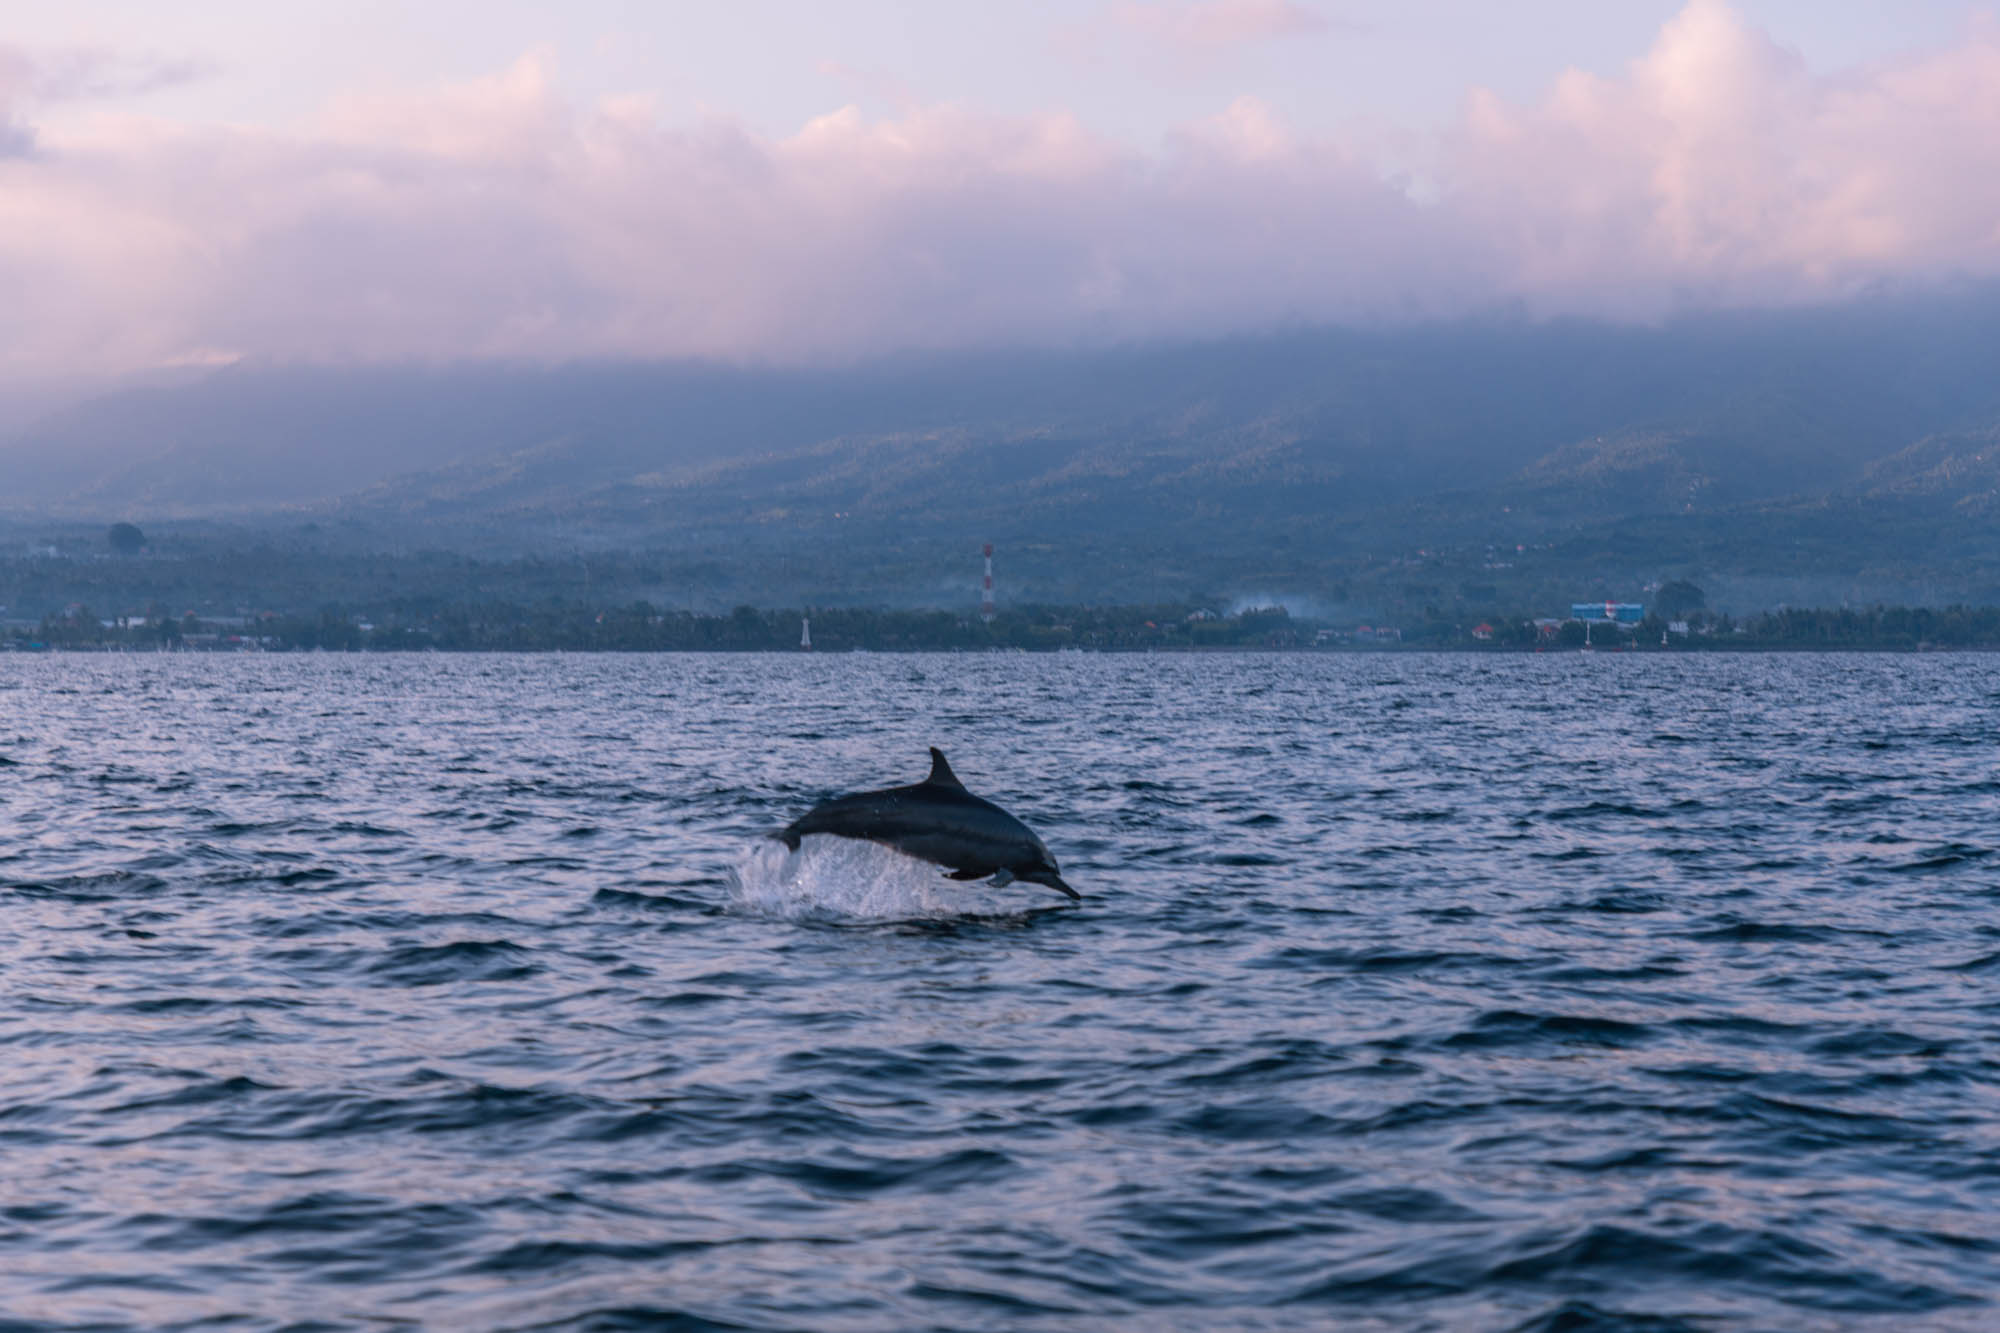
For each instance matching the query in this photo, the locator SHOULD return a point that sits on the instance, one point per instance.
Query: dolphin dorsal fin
(941, 774)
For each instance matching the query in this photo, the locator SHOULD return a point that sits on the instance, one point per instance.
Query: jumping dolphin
(939, 821)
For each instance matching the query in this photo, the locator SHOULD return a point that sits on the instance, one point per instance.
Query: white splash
(843, 879)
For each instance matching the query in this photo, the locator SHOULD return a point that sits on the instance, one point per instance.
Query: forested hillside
(1838, 455)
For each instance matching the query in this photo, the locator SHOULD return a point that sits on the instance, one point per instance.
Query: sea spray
(846, 879)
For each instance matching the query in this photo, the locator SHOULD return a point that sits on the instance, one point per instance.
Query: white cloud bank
(493, 219)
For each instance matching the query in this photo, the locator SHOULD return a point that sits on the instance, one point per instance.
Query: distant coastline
(639, 627)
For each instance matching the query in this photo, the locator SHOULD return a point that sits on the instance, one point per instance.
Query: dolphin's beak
(1054, 881)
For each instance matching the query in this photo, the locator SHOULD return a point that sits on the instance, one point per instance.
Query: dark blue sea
(1408, 992)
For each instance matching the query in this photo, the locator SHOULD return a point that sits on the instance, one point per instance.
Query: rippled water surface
(1408, 992)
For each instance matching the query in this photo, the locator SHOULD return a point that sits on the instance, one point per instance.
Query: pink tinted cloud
(1719, 170)
(16, 79)
(497, 219)
(28, 80)
(80, 73)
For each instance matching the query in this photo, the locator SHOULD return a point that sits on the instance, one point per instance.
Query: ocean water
(1408, 992)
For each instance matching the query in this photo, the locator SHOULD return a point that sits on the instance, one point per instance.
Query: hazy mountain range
(1854, 451)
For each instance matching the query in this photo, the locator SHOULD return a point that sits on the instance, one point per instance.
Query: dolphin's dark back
(880, 816)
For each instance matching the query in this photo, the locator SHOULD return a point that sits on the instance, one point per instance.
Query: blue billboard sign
(1624, 613)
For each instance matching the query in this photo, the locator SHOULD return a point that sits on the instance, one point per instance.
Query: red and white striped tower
(986, 594)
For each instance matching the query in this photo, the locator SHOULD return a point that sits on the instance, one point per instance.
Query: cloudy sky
(791, 181)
